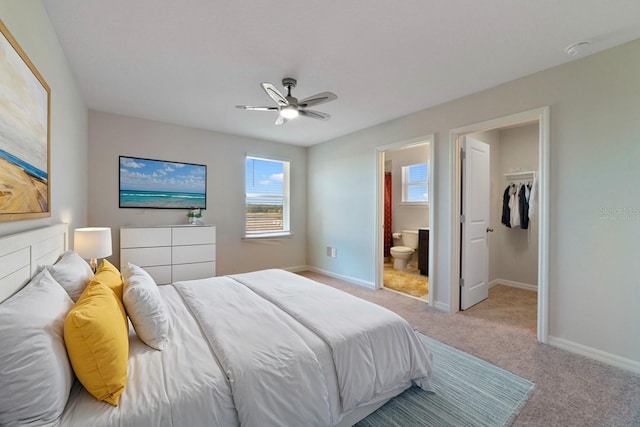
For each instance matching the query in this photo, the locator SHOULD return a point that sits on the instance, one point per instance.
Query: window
(415, 184)
(266, 197)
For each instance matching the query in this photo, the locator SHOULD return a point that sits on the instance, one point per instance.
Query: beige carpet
(509, 306)
(409, 282)
(571, 390)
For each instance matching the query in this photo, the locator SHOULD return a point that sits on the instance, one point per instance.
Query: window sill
(415, 204)
(268, 236)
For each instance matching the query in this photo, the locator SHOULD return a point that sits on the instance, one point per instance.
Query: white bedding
(275, 377)
(374, 350)
(179, 386)
(210, 374)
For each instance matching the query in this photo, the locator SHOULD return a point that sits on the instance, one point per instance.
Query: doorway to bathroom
(405, 202)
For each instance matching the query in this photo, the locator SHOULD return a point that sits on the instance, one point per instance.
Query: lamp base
(93, 263)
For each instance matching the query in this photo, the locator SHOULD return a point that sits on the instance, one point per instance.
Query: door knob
(489, 230)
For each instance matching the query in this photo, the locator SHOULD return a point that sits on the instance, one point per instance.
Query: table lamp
(92, 243)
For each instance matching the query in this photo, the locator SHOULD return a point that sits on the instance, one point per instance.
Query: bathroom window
(266, 197)
(415, 184)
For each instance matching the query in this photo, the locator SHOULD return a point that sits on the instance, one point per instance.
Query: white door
(475, 224)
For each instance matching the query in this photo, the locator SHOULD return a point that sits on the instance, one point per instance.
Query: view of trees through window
(267, 188)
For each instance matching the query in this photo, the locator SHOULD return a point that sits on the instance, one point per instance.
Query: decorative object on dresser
(25, 101)
(194, 216)
(170, 253)
(92, 243)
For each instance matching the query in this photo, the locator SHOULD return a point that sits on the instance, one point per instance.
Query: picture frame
(161, 184)
(25, 122)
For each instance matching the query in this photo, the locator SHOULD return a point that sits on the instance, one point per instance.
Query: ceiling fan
(288, 106)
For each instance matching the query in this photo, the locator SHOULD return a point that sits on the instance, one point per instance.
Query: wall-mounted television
(162, 184)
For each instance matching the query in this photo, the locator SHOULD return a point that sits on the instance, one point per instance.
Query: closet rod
(520, 176)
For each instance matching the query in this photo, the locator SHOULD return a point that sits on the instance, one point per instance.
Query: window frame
(406, 185)
(286, 199)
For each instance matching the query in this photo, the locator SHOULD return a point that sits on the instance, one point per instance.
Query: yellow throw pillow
(109, 275)
(96, 335)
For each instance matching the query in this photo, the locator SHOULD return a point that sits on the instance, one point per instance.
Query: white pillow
(35, 372)
(72, 272)
(144, 306)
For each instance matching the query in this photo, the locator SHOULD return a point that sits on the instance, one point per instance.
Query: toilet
(402, 254)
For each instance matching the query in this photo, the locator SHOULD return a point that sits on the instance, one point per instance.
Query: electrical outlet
(334, 253)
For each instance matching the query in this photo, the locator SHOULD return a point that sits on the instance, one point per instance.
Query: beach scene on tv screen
(146, 183)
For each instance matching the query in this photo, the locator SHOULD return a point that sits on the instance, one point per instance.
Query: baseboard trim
(592, 353)
(513, 284)
(441, 306)
(352, 280)
(297, 269)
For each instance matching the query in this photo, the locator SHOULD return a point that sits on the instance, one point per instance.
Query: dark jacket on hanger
(506, 212)
(524, 207)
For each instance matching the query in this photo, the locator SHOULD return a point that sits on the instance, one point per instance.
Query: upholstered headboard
(22, 254)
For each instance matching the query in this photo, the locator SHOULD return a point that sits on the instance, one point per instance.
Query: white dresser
(170, 253)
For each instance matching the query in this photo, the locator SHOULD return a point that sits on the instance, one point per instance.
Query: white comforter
(373, 349)
(260, 349)
(275, 377)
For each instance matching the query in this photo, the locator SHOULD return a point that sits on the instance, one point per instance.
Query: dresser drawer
(161, 274)
(193, 254)
(194, 271)
(145, 237)
(145, 257)
(170, 253)
(196, 235)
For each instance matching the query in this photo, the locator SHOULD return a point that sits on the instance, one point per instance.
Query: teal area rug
(468, 392)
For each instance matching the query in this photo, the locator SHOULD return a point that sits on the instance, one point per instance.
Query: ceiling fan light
(289, 112)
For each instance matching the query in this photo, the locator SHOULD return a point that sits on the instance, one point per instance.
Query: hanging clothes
(506, 211)
(533, 197)
(523, 206)
(519, 201)
(514, 206)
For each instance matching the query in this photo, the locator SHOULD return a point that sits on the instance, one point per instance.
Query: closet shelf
(520, 176)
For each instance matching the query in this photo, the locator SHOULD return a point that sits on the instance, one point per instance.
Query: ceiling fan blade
(275, 94)
(252, 108)
(319, 98)
(280, 120)
(312, 114)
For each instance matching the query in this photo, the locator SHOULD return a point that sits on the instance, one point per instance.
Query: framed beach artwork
(161, 184)
(25, 189)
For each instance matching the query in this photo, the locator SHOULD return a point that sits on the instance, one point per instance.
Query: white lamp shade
(92, 242)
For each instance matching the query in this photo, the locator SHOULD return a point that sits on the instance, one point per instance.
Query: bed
(256, 349)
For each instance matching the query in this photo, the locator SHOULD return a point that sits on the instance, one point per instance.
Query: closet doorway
(404, 215)
(516, 257)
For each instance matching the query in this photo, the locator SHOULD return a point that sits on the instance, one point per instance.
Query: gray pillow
(35, 372)
(72, 272)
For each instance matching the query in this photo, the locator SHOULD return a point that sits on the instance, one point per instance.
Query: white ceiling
(190, 62)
